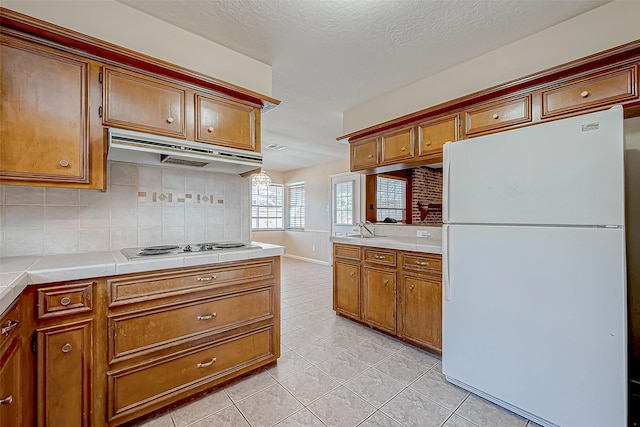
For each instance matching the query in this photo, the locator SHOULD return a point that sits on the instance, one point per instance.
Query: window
(295, 206)
(267, 203)
(391, 198)
(343, 203)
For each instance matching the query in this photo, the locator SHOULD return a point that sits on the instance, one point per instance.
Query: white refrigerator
(534, 275)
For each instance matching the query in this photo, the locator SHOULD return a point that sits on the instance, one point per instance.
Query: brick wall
(426, 188)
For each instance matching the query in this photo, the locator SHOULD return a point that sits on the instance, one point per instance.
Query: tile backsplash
(143, 206)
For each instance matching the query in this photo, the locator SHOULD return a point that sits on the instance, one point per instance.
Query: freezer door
(564, 172)
(537, 319)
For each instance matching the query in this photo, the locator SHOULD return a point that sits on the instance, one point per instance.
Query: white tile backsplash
(188, 206)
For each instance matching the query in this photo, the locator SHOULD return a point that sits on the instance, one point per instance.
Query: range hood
(138, 147)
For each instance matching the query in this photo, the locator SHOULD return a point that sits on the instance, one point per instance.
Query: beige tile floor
(336, 373)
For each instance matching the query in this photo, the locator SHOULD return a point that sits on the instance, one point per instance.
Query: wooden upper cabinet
(364, 153)
(45, 137)
(498, 115)
(397, 145)
(432, 135)
(142, 103)
(224, 122)
(597, 90)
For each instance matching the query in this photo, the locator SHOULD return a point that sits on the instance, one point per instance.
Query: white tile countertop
(16, 273)
(415, 244)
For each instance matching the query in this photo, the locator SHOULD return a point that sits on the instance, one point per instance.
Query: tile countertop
(16, 273)
(415, 244)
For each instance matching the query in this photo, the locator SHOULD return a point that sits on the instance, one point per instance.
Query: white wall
(610, 25)
(122, 25)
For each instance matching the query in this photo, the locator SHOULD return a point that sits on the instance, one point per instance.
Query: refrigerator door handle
(446, 284)
(446, 168)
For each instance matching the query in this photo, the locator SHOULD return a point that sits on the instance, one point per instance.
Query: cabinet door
(12, 396)
(44, 134)
(422, 311)
(434, 134)
(223, 122)
(498, 116)
(364, 154)
(380, 299)
(63, 375)
(346, 289)
(138, 102)
(397, 145)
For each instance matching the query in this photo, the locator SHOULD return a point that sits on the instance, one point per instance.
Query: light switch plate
(423, 233)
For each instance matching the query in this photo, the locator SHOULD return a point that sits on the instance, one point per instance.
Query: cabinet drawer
(9, 324)
(63, 300)
(593, 91)
(133, 388)
(346, 251)
(364, 153)
(379, 256)
(139, 332)
(223, 122)
(145, 287)
(397, 145)
(498, 115)
(434, 134)
(420, 262)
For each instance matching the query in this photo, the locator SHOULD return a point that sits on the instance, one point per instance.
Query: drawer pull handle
(210, 316)
(64, 163)
(584, 94)
(66, 348)
(385, 281)
(206, 364)
(411, 286)
(65, 301)
(169, 119)
(422, 263)
(205, 279)
(7, 400)
(10, 325)
(495, 116)
(210, 129)
(379, 257)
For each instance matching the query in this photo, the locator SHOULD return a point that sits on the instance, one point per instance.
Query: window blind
(295, 204)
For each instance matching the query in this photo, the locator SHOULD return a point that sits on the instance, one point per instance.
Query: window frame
(299, 217)
(258, 206)
(404, 195)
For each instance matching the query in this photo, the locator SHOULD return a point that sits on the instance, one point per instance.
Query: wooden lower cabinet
(346, 289)
(398, 292)
(379, 298)
(64, 359)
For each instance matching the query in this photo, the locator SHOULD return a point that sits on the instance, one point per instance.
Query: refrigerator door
(536, 321)
(564, 172)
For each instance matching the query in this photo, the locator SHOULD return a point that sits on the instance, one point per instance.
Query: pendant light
(261, 179)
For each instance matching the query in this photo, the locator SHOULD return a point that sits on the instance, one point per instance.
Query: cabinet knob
(427, 142)
(370, 156)
(7, 400)
(404, 149)
(66, 348)
(584, 94)
(65, 301)
(495, 116)
(210, 129)
(169, 119)
(385, 281)
(411, 286)
(207, 317)
(209, 363)
(64, 163)
(352, 274)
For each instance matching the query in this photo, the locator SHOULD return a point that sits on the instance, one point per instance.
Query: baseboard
(315, 261)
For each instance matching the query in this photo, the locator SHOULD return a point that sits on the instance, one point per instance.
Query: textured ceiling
(328, 56)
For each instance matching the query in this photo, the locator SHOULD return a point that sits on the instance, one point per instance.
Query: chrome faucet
(362, 225)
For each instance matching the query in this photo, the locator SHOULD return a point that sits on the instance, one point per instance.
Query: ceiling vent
(276, 147)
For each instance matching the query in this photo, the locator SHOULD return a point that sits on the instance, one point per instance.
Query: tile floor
(336, 373)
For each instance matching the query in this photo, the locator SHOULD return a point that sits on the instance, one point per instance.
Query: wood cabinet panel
(432, 135)
(160, 380)
(44, 114)
(601, 89)
(397, 145)
(347, 252)
(223, 122)
(421, 263)
(380, 256)
(422, 311)
(159, 327)
(379, 296)
(12, 397)
(364, 153)
(64, 359)
(65, 300)
(138, 102)
(498, 115)
(346, 289)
